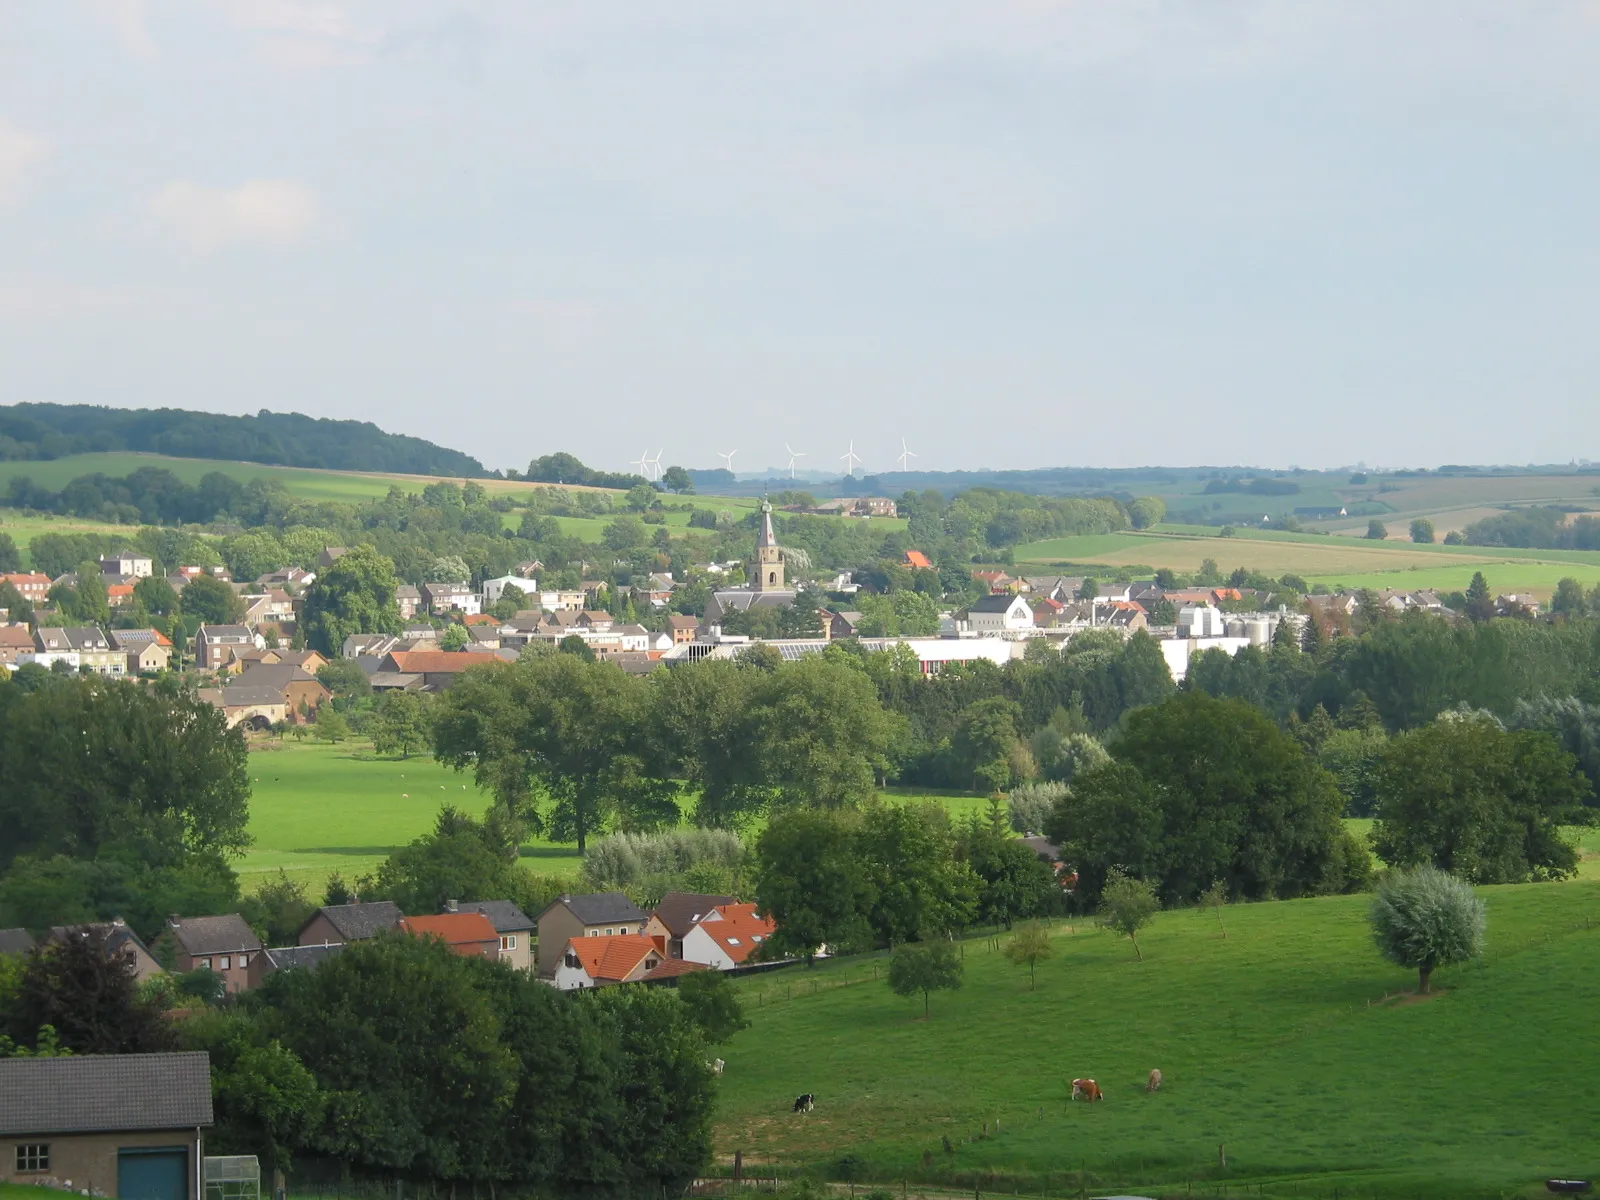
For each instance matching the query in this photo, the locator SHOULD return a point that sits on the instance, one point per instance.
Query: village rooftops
(202, 937)
(504, 915)
(112, 1093)
(355, 922)
(681, 911)
(598, 908)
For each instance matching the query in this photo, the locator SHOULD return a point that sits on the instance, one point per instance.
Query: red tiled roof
(739, 931)
(670, 967)
(615, 957)
(465, 933)
(438, 662)
(916, 558)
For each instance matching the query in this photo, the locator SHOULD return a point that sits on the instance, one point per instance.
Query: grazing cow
(1086, 1089)
(804, 1104)
(1154, 1084)
(716, 1066)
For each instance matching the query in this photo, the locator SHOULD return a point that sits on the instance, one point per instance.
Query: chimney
(172, 920)
(450, 906)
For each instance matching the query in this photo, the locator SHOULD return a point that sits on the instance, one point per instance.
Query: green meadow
(1337, 562)
(1288, 1043)
(317, 808)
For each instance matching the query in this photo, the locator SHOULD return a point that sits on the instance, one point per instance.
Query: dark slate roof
(1043, 847)
(679, 911)
(243, 696)
(15, 941)
(600, 907)
(110, 1093)
(228, 934)
(998, 603)
(357, 921)
(309, 958)
(273, 675)
(505, 916)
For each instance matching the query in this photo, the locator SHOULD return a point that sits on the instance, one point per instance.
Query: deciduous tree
(1029, 946)
(1126, 906)
(927, 968)
(1426, 918)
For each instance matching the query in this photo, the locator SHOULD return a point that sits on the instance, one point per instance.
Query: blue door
(157, 1174)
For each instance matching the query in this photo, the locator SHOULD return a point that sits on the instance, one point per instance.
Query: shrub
(1427, 918)
(1032, 803)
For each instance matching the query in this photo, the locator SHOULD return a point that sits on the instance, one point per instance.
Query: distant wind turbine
(793, 454)
(904, 455)
(851, 458)
(643, 463)
(655, 463)
(728, 458)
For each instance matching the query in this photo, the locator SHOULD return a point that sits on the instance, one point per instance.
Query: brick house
(122, 1125)
(224, 945)
(215, 645)
(335, 923)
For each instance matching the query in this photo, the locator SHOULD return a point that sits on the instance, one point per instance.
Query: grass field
(1290, 1043)
(1334, 561)
(23, 529)
(317, 808)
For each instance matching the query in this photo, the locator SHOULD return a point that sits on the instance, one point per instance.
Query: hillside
(49, 431)
(1277, 1042)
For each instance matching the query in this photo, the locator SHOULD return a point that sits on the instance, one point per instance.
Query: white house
(587, 962)
(494, 588)
(1000, 613)
(727, 936)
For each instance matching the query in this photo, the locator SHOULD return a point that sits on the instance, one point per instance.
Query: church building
(767, 587)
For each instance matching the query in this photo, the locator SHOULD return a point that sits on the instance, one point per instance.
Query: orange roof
(739, 931)
(615, 957)
(916, 558)
(120, 589)
(439, 662)
(1228, 594)
(670, 967)
(463, 932)
(481, 619)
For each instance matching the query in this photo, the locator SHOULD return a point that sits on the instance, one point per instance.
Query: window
(33, 1156)
(608, 932)
(624, 929)
(244, 960)
(755, 937)
(733, 941)
(222, 963)
(594, 933)
(508, 941)
(203, 964)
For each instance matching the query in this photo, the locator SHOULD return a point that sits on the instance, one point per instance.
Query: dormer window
(733, 941)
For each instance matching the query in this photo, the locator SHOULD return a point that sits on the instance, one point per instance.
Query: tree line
(48, 431)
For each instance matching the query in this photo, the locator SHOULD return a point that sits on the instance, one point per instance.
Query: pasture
(1336, 562)
(1289, 1042)
(317, 808)
(23, 529)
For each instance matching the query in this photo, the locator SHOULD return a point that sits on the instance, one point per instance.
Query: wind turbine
(655, 463)
(643, 463)
(904, 455)
(850, 458)
(793, 454)
(728, 458)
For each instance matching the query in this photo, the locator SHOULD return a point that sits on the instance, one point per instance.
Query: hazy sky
(1016, 232)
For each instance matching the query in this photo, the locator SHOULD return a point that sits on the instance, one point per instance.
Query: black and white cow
(804, 1104)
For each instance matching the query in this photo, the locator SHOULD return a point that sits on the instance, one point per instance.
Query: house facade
(602, 914)
(223, 945)
(215, 645)
(1003, 612)
(588, 962)
(727, 936)
(514, 928)
(119, 1125)
(677, 914)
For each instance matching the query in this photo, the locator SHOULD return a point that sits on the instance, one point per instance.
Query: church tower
(768, 576)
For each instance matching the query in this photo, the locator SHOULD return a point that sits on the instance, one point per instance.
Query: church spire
(769, 567)
(767, 537)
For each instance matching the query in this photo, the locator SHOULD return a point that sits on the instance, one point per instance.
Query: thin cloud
(276, 211)
(18, 153)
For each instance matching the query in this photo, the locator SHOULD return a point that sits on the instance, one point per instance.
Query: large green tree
(561, 729)
(919, 888)
(811, 880)
(355, 595)
(1202, 789)
(212, 601)
(1466, 796)
(88, 765)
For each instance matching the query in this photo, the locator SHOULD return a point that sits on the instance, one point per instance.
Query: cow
(804, 1104)
(1086, 1089)
(1154, 1083)
(716, 1066)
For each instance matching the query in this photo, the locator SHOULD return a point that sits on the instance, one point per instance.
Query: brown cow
(1086, 1089)
(1154, 1085)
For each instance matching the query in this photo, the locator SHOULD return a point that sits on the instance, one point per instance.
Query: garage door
(157, 1174)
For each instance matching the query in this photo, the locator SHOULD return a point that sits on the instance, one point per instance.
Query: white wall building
(1003, 613)
(494, 588)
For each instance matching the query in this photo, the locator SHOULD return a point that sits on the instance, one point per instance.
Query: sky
(1014, 233)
